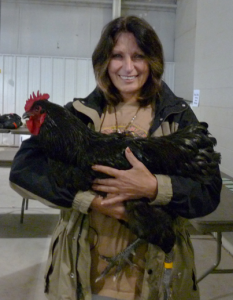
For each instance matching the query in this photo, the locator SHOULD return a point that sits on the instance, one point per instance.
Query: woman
(130, 95)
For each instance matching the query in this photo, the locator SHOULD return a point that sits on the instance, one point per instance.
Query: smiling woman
(134, 47)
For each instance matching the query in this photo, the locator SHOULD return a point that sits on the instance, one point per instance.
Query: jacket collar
(166, 104)
(92, 106)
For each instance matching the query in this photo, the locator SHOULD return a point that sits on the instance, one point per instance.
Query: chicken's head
(34, 112)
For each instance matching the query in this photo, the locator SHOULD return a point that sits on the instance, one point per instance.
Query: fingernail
(94, 167)
(128, 150)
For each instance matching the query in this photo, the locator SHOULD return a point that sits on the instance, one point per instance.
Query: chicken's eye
(37, 109)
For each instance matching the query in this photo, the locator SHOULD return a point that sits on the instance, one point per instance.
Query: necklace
(130, 122)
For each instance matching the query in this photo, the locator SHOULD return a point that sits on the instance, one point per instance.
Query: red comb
(34, 98)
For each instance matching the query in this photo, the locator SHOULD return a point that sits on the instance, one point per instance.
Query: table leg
(213, 269)
(22, 210)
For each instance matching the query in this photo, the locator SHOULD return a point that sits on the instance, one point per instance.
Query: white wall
(36, 28)
(185, 39)
(163, 22)
(69, 28)
(62, 78)
(214, 73)
(203, 54)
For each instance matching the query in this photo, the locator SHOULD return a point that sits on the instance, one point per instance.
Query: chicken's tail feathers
(200, 144)
(188, 152)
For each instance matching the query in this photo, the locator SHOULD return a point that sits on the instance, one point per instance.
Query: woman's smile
(127, 77)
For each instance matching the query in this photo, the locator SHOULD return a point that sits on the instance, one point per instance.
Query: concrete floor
(24, 249)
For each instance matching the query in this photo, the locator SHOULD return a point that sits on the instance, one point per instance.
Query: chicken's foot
(120, 260)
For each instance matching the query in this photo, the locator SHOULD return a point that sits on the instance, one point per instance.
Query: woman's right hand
(116, 211)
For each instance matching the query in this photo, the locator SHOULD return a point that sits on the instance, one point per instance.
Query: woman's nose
(128, 64)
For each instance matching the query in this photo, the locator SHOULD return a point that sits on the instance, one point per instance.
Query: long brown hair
(147, 40)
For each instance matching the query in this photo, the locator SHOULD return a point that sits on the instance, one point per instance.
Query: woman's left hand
(134, 183)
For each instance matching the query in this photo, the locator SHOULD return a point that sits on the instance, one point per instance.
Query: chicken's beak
(26, 115)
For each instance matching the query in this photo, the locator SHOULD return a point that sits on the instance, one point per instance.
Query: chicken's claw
(120, 260)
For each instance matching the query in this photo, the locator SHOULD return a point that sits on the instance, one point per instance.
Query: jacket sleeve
(31, 173)
(187, 197)
(30, 170)
(192, 199)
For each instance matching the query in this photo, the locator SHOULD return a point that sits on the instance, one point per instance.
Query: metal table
(21, 130)
(219, 221)
(4, 130)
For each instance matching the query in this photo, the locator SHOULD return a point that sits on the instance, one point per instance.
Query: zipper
(79, 286)
(162, 119)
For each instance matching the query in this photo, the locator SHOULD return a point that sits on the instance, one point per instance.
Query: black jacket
(191, 199)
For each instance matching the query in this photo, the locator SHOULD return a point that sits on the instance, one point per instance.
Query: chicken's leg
(120, 260)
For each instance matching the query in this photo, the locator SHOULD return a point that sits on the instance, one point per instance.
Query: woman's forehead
(126, 40)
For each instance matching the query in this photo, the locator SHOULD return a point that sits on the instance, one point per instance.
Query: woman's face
(128, 68)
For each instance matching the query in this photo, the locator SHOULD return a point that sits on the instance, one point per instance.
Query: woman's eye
(139, 56)
(116, 55)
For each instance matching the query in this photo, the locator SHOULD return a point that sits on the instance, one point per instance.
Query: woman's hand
(116, 211)
(134, 183)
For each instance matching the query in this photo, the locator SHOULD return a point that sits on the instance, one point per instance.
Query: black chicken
(10, 121)
(73, 148)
